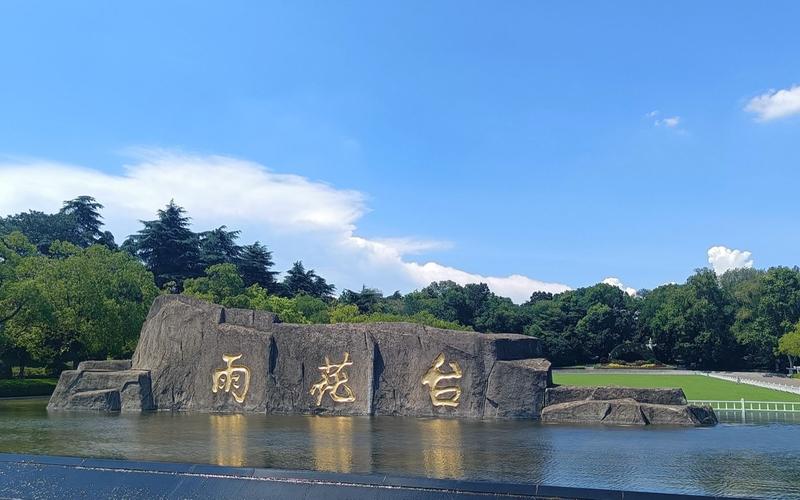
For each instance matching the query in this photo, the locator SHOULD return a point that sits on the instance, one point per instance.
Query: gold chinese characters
(334, 382)
(443, 396)
(232, 379)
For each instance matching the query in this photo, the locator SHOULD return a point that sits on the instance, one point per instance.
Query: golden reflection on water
(332, 442)
(442, 448)
(230, 439)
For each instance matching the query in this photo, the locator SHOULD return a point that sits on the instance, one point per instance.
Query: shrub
(10, 388)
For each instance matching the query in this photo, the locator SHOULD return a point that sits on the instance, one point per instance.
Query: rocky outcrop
(197, 356)
(623, 406)
(566, 393)
(100, 387)
(193, 355)
(520, 386)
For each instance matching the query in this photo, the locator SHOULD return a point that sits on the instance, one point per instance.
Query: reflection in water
(442, 450)
(757, 417)
(229, 439)
(332, 441)
(754, 460)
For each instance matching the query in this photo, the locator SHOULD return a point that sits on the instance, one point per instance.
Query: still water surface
(754, 460)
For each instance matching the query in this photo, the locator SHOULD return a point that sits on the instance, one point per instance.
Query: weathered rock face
(99, 385)
(566, 393)
(193, 355)
(623, 406)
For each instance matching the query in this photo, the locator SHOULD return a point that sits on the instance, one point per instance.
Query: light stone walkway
(768, 380)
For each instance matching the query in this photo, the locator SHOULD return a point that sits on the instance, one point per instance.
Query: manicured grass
(27, 387)
(694, 386)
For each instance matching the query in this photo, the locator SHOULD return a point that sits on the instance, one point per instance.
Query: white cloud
(724, 259)
(617, 283)
(667, 121)
(775, 104)
(671, 121)
(296, 217)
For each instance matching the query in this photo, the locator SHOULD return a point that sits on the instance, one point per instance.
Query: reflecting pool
(761, 460)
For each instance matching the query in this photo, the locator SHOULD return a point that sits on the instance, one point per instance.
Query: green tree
(767, 305)
(367, 300)
(284, 307)
(450, 301)
(300, 281)
(221, 283)
(691, 323)
(85, 303)
(500, 315)
(344, 313)
(539, 295)
(218, 246)
(583, 325)
(255, 266)
(314, 309)
(789, 344)
(167, 246)
(18, 299)
(40, 228)
(85, 213)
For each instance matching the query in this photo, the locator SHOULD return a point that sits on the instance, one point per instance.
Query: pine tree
(167, 246)
(298, 281)
(218, 246)
(255, 266)
(85, 212)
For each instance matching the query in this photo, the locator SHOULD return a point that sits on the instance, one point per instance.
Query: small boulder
(627, 412)
(565, 393)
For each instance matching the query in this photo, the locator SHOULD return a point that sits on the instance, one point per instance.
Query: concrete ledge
(41, 476)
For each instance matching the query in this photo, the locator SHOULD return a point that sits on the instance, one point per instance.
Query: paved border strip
(43, 476)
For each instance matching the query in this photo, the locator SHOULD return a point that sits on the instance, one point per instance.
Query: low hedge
(13, 388)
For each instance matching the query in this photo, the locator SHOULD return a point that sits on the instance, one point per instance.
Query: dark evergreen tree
(367, 300)
(539, 295)
(85, 213)
(107, 239)
(218, 246)
(255, 266)
(167, 246)
(298, 281)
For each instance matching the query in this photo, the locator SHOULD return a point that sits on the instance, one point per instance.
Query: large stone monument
(197, 356)
(193, 355)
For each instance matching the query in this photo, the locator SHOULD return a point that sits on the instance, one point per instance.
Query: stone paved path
(769, 378)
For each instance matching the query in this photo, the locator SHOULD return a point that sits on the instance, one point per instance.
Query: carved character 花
(333, 381)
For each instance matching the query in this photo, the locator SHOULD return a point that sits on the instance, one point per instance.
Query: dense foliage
(68, 293)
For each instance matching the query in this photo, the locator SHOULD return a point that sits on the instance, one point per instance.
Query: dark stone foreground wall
(32, 476)
(179, 361)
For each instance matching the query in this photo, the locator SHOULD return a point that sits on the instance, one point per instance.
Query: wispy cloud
(667, 121)
(775, 104)
(297, 217)
(724, 259)
(670, 121)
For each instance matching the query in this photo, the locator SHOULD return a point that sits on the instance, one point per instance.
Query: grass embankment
(694, 386)
(11, 388)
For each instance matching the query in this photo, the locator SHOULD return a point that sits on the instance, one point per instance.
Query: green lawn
(27, 387)
(694, 386)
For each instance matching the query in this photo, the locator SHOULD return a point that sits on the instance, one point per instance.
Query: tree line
(68, 292)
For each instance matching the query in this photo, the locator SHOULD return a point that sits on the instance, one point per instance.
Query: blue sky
(565, 143)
